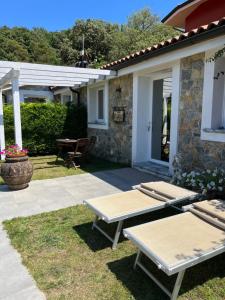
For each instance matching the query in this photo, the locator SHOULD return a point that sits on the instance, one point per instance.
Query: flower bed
(208, 182)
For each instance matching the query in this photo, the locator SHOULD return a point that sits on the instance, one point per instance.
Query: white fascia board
(172, 56)
(52, 68)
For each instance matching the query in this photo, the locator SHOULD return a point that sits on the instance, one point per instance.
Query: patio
(45, 196)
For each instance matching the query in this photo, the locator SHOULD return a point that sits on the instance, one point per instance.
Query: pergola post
(2, 129)
(16, 111)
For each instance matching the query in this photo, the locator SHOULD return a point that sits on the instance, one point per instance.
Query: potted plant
(17, 170)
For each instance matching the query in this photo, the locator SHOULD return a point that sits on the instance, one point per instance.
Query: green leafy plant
(42, 124)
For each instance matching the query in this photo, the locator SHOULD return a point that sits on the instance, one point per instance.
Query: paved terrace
(44, 196)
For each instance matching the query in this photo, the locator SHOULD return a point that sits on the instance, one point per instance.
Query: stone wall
(115, 144)
(195, 152)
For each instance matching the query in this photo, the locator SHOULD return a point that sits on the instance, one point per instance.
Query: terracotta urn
(17, 171)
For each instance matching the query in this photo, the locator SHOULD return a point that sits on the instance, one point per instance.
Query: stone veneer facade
(115, 143)
(195, 152)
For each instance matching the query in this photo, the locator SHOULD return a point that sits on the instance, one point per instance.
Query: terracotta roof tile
(164, 44)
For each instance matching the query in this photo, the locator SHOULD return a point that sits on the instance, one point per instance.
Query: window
(213, 111)
(65, 98)
(100, 99)
(98, 106)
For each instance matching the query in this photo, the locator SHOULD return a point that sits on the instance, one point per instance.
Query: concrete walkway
(44, 196)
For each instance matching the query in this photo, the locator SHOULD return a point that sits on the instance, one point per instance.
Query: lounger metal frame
(122, 218)
(178, 269)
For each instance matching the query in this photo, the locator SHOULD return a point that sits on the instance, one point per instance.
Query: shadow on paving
(125, 178)
(96, 241)
(143, 288)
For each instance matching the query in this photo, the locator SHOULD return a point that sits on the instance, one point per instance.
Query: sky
(61, 14)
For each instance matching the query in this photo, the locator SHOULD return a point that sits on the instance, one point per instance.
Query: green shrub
(42, 124)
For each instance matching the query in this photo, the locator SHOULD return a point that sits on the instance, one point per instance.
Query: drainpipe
(78, 95)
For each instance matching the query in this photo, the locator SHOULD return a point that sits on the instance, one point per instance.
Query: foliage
(208, 182)
(217, 55)
(42, 124)
(104, 41)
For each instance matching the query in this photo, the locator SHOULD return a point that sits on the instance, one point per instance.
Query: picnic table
(65, 145)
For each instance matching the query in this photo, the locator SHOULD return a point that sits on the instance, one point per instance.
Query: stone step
(154, 169)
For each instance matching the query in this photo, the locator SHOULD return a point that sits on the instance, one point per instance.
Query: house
(42, 94)
(167, 99)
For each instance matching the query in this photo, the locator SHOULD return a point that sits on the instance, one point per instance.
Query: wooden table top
(66, 141)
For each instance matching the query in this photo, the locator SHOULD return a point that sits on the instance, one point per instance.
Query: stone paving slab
(52, 194)
(44, 196)
(15, 281)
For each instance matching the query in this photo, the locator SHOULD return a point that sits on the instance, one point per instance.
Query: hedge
(42, 124)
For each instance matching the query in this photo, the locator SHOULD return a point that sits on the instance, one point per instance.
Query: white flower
(204, 192)
(184, 174)
(221, 180)
(208, 171)
(212, 183)
(220, 188)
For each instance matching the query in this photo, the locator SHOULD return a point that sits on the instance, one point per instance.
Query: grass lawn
(70, 261)
(46, 167)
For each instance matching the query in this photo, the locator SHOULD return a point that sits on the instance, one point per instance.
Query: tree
(142, 30)
(104, 42)
(98, 39)
(142, 20)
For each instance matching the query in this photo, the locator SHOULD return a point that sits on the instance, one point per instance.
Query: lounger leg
(95, 222)
(117, 234)
(137, 259)
(177, 285)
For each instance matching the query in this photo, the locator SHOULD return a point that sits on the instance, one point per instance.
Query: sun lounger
(182, 241)
(145, 198)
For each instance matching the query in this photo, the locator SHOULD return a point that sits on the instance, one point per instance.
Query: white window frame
(103, 124)
(207, 133)
(66, 94)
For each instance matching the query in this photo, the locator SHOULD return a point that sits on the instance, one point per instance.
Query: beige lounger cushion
(168, 189)
(215, 208)
(123, 203)
(177, 239)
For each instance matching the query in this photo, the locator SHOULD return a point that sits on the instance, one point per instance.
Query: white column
(16, 111)
(2, 129)
(174, 113)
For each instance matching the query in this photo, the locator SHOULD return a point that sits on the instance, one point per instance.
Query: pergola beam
(50, 83)
(58, 79)
(52, 74)
(21, 74)
(51, 68)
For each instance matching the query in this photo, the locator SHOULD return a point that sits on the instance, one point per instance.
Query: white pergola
(16, 74)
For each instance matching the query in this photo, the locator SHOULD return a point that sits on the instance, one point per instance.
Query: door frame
(154, 77)
(176, 73)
